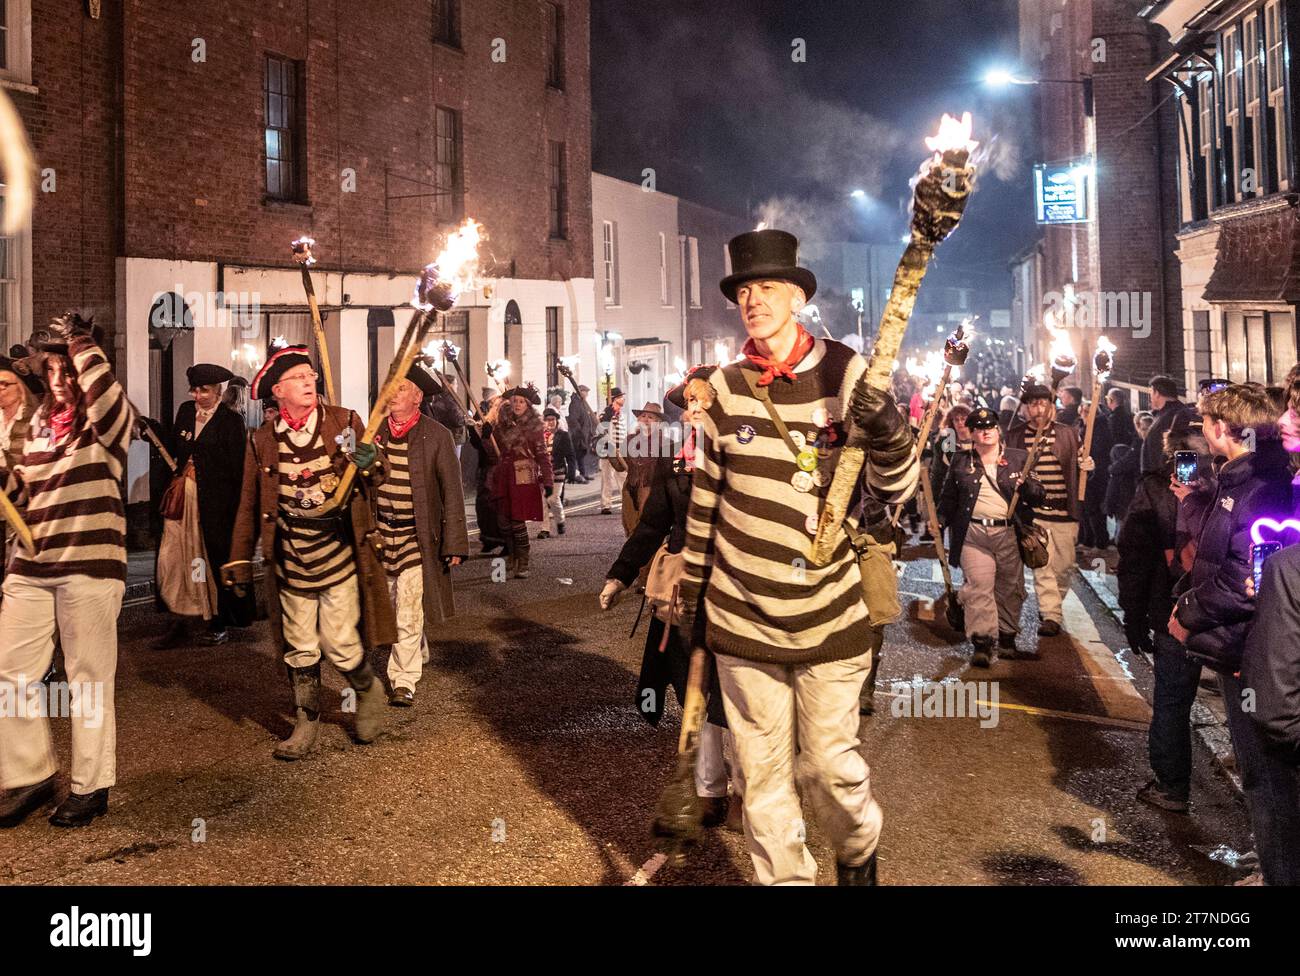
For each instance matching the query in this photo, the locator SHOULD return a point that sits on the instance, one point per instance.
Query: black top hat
(422, 378)
(764, 254)
(528, 392)
(615, 393)
(982, 418)
(280, 363)
(207, 374)
(23, 370)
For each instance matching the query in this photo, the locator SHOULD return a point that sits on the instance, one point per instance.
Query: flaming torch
(499, 371)
(302, 254)
(942, 190)
(440, 284)
(1102, 363)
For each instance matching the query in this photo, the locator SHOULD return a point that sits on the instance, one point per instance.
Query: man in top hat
(1057, 470)
(70, 472)
(792, 640)
(612, 450)
(421, 512)
(642, 450)
(207, 441)
(326, 590)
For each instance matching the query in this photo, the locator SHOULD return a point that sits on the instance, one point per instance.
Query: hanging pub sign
(1062, 192)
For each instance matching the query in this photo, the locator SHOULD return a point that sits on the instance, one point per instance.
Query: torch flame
(930, 371)
(953, 135)
(571, 361)
(456, 267)
(303, 245)
(762, 225)
(499, 370)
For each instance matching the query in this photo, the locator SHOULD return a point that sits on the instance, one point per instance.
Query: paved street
(524, 761)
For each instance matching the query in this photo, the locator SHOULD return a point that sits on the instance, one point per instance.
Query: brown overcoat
(259, 503)
(439, 504)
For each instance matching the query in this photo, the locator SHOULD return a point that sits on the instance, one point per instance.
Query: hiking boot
(863, 874)
(369, 720)
(1158, 795)
(983, 654)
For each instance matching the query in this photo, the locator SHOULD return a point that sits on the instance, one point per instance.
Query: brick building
(1100, 119)
(1230, 77)
(189, 147)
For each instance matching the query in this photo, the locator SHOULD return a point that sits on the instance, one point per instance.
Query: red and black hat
(422, 378)
(279, 363)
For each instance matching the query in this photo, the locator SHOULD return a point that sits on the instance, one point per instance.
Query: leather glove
(1087, 463)
(549, 491)
(365, 455)
(888, 437)
(1033, 492)
(238, 573)
(611, 594)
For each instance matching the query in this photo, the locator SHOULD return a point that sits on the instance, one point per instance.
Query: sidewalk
(140, 564)
(1209, 721)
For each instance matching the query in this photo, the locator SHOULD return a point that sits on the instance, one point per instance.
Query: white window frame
(1209, 135)
(1275, 76)
(663, 270)
(1233, 68)
(1253, 67)
(18, 46)
(18, 297)
(693, 249)
(609, 259)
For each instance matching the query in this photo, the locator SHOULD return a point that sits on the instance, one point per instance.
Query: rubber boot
(983, 650)
(863, 875)
(369, 721)
(306, 700)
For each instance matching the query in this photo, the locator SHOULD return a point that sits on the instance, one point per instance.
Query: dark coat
(582, 423)
(439, 504)
(1066, 449)
(1121, 426)
(663, 518)
(962, 487)
(1123, 481)
(1147, 536)
(1153, 448)
(1270, 663)
(562, 456)
(1212, 601)
(259, 504)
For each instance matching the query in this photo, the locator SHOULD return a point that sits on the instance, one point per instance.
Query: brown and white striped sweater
(72, 490)
(749, 532)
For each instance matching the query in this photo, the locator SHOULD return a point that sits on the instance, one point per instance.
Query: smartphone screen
(1185, 467)
(1258, 553)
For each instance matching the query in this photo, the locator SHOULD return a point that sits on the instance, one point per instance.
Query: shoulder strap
(764, 396)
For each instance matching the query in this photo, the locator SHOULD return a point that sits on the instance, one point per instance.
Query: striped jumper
(73, 489)
(749, 531)
(310, 559)
(397, 509)
(1047, 469)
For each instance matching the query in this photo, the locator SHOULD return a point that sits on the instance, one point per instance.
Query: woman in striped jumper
(70, 480)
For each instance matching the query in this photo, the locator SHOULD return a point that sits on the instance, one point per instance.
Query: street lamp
(1001, 77)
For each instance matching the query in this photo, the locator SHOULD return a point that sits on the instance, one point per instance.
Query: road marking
(1112, 683)
(1131, 725)
(646, 872)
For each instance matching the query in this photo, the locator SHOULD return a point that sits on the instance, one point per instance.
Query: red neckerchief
(399, 430)
(61, 422)
(770, 367)
(687, 454)
(298, 424)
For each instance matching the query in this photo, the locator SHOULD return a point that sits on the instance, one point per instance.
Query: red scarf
(687, 454)
(61, 422)
(772, 368)
(298, 424)
(399, 430)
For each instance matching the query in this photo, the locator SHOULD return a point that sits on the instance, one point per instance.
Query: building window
(1256, 348)
(1209, 141)
(1282, 346)
(693, 256)
(16, 40)
(15, 282)
(554, 45)
(447, 175)
(1232, 146)
(1200, 358)
(663, 269)
(609, 260)
(4, 35)
(559, 192)
(446, 22)
(1234, 344)
(552, 346)
(284, 129)
(1254, 157)
(1275, 66)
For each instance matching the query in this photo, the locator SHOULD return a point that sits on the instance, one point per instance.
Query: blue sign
(1062, 192)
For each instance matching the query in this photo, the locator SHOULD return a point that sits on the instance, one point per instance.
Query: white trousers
(406, 590)
(325, 621)
(85, 610)
(800, 721)
(1052, 582)
(611, 483)
(553, 515)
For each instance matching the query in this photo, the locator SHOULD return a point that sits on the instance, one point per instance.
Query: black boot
(306, 701)
(1007, 642)
(864, 874)
(983, 650)
(20, 801)
(177, 635)
(519, 548)
(79, 809)
(369, 720)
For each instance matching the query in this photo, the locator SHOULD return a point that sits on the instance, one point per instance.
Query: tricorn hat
(207, 374)
(422, 378)
(46, 341)
(981, 418)
(277, 365)
(764, 254)
(528, 392)
(550, 412)
(22, 368)
(677, 395)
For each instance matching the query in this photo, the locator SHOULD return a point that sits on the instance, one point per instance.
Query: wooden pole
(302, 254)
(1087, 433)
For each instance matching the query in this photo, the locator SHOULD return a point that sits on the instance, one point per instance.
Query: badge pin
(811, 524)
(800, 441)
(293, 475)
(807, 460)
(802, 481)
(821, 478)
(745, 433)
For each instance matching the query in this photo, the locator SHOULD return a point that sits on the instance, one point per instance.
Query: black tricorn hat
(981, 418)
(528, 392)
(276, 366)
(677, 395)
(22, 368)
(207, 374)
(46, 341)
(766, 254)
(422, 378)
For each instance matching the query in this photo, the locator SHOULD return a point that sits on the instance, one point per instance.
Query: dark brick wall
(713, 228)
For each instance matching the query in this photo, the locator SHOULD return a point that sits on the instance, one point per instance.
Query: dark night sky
(705, 92)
